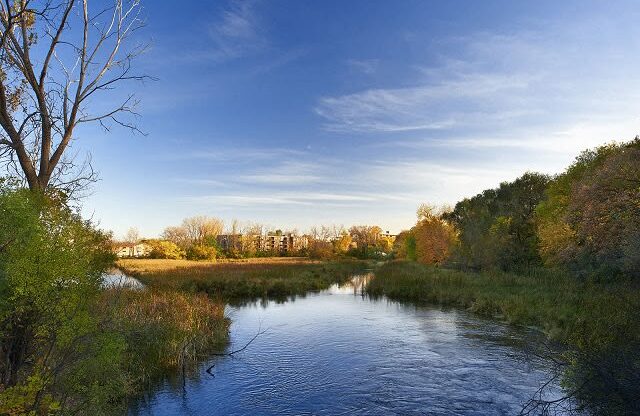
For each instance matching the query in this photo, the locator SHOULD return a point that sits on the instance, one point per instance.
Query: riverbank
(177, 319)
(241, 281)
(549, 300)
(597, 323)
(166, 332)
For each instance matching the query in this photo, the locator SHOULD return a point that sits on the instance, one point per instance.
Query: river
(341, 353)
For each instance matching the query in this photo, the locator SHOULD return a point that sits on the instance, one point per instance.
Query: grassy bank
(164, 330)
(598, 324)
(549, 300)
(238, 281)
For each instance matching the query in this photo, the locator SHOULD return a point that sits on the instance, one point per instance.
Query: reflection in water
(339, 352)
(355, 286)
(116, 279)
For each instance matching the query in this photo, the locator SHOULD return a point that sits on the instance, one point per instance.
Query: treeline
(585, 220)
(359, 241)
(205, 238)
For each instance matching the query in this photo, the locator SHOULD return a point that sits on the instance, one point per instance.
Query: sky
(298, 113)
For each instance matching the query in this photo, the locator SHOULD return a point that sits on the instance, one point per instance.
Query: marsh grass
(597, 324)
(165, 332)
(241, 281)
(560, 305)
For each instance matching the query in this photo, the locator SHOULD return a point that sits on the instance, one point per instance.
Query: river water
(341, 353)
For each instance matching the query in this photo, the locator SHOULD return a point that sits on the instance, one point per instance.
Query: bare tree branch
(45, 92)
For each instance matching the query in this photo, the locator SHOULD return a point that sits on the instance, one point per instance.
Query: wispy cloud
(287, 172)
(200, 182)
(422, 107)
(563, 139)
(280, 179)
(291, 198)
(239, 154)
(366, 66)
(236, 33)
(499, 84)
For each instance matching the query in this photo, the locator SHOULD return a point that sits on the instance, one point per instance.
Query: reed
(241, 281)
(550, 300)
(166, 332)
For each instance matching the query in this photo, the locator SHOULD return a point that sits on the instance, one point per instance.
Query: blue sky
(295, 113)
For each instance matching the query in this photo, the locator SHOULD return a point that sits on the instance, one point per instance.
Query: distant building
(229, 242)
(132, 250)
(275, 243)
(122, 251)
(387, 234)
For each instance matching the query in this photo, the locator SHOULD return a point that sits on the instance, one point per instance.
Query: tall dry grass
(240, 281)
(165, 331)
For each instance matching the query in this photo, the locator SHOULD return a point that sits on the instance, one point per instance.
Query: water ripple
(340, 353)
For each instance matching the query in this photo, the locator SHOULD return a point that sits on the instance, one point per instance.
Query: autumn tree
(365, 237)
(342, 243)
(434, 236)
(177, 235)
(590, 220)
(252, 234)
(57, 61)
(385, 243)
(320, 242)
(162, 249)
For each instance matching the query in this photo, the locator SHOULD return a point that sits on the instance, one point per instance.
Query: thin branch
(229, 354)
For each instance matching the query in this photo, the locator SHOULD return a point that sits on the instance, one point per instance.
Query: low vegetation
(597, 323)
(165, 332)
(66, 344)
(550, 300)
(240, 281)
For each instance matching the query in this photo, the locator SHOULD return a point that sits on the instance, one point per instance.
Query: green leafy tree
(51, 343)
(497, 228)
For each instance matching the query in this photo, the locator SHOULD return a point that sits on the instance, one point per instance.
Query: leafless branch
(46, 92)
(229, 354)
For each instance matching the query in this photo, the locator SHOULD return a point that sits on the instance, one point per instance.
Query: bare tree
(194, 230)
(199, 228)
(56, 58)
(132, 235)
(177, 235)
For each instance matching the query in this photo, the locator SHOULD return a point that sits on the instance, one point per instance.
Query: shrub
(51, 263)
(162, 249)
(200, 252)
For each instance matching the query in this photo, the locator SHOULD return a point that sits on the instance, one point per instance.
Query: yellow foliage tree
(342, 243)
(434, 237)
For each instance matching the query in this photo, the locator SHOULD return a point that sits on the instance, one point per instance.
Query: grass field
(236, 281)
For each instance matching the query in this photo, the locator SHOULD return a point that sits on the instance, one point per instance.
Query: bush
(200, 252)
(51, 342)
(162, 249)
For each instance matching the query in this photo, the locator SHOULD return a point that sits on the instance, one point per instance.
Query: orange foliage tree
(434, 237)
